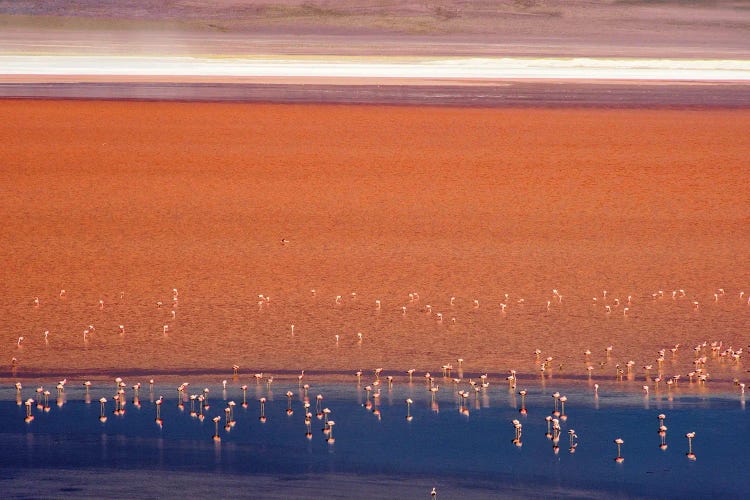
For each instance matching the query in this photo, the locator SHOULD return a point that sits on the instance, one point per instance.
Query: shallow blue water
(440, 443)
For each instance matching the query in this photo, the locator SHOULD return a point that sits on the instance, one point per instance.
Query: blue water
(440, 445)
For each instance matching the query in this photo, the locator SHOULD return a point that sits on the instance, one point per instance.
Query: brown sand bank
(101, 198)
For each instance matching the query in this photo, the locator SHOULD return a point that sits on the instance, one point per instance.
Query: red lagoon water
(124, 201)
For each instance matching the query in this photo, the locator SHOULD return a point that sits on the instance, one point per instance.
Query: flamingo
(408, 409)
(289, 395)
(511, 379)
(319, 405)
(662, 432)
(205, 398)
(244, 396)
(522, 393)
(308, 426)
(368, 404)
(556, 397)
(262, 417)
(158, 410)
(29, 416)
(555, 431)
(573, 444)
(619, 459)
(102, 417)
(216, 420)
(200, 399)
(517, 425)
(690, 454)
(227, 411)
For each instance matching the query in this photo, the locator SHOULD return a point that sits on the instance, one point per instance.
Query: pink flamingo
(102, 417)
(262, 417)
(158, 410)
(522, 393)
(244, 396)
(29, 416)
(289, 410)
(619, 459)
(690, 436)
(216, 420)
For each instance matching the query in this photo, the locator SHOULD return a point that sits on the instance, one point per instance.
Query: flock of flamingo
(464, 388)
(200, 408)
(198, 402)
(704, 352)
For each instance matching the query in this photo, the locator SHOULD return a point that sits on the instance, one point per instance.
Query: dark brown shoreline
(512, 94)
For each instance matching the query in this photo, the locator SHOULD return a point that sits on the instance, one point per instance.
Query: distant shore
(508, 94)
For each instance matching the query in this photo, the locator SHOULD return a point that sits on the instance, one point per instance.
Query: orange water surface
(125, 201)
